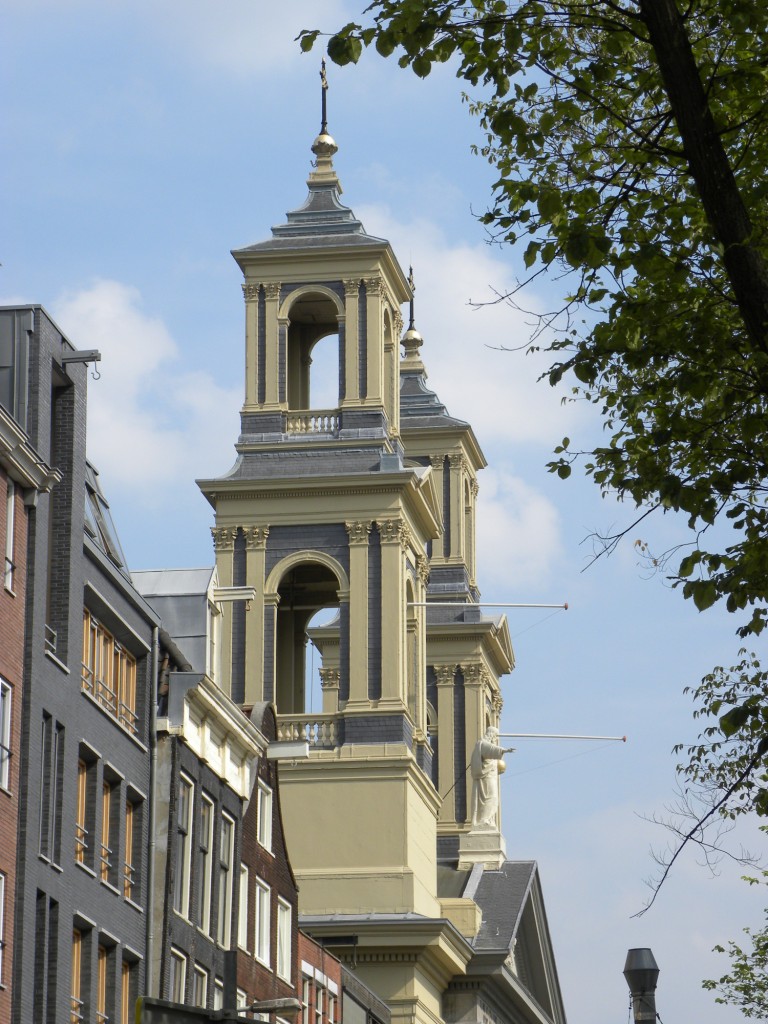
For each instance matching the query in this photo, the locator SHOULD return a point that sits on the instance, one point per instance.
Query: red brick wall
(11, 668)
(324, 971)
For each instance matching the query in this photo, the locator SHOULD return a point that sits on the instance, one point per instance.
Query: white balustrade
(320, 731)
(312, 421)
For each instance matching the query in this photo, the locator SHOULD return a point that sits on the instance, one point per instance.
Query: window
(10, 510)
(81, 829)
(127, 993)
(2, 923)
(319, 1001)
(51, 775)
(6, 694)
(200, 986)
(331, 1008)
(241, 999)
(76, 988)
(132, 839)
(184, 802)
(218, 994)
(262, 914)
(177, 976)
(264, 816)
(306, 989)
(109, 673)
(102, 1016)
(206, 862)
(226, 857)
(284, 939)
(105, 852)
(242, 914)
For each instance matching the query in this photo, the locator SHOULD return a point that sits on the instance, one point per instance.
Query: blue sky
(143, 142)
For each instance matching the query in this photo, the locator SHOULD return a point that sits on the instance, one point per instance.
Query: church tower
(364, 509)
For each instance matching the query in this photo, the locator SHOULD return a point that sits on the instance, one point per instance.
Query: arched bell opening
(323, 664)
(313, 337)
(304, 590)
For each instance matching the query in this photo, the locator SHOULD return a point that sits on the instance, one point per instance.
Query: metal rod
(557, 736)
(481, 604)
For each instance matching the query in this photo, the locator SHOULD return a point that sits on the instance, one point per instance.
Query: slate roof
(501, 896)
(420, 407)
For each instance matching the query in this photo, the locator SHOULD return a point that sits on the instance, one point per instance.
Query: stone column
(446, 772)
(395, 539)
(351, 342)
(329, 684)
(373, 289)
(255, 560)
(359, 532)
(251, 295)
(272, 335)
(224, 545)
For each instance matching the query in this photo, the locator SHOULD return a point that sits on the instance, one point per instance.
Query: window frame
(207, 811)
(10, 534)
(226, 881)
(183, 858)
(177, 976)
(200, 979)
(284, 950)
(264, 816)
(6, 710)
(242, 908)
(262, 931)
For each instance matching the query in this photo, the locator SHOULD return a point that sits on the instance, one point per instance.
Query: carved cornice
(256, 537)
(329, 678)
(445, 674)
(251, 292)
(224, 537)
(272, 290)
(358, 531)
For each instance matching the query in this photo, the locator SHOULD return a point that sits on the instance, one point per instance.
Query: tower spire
(412, 340)
(323, 91)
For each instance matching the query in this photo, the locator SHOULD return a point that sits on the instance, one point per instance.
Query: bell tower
(322, 511)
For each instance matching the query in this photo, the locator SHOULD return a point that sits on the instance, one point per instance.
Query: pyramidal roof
(323, 219)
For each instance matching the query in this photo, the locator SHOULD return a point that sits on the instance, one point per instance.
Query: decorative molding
(373, 285)
(475, 488)
(256, 537)
(329, 678)
(457, 460)
(251, 292)
(397, 317)
(224, 537)
(436, 461)
(422, 568)
(272, 290)
(445, 674)
(405, 537)
(389, 530)
(358, 531)
(475, 674)
(497, 701)
(351, 286)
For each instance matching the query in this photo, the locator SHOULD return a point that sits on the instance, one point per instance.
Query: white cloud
(497, 392)
(518, 537)
(151, 422)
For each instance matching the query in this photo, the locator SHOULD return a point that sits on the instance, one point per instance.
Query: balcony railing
(312, 421)
(320, 731)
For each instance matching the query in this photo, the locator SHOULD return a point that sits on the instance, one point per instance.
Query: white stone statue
(485, 765)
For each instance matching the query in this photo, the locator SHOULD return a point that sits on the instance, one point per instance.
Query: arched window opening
(304, 591)
(321, 681)
(313, 318)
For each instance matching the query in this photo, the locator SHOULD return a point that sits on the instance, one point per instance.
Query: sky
(145, 141)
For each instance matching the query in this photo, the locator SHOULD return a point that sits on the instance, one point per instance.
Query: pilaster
(395, 537)
(251, 296)
(359, 532)
(255, 558)
(446, 773)
(457, 463)
(272, 370)
(224, 545)
(373, 291)
(352, 342)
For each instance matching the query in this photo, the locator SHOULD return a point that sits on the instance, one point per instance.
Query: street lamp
(642, 973)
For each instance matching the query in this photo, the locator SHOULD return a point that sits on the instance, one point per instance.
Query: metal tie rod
(556, 736)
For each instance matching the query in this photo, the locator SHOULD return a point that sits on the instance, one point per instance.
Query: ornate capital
(474, 674)
(224, 537)
(397, 317)
(351, 286)
(358, 531)
(251, 292)
(457, 460)
(422, 567)
(272, 290)
(475, 487)
(256, 537)
(445, 674)
(497, 701)
(373, 285)
(389, 530)
(329, 678)
(436, 461)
